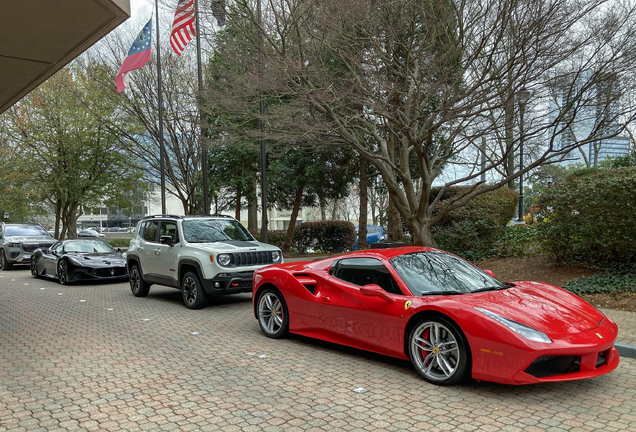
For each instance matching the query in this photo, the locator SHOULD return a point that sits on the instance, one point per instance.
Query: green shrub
(274, 237)
(516, 240)
(327, 236)
(472, 230)
(119, 242)
(590, 218)
(612, 281)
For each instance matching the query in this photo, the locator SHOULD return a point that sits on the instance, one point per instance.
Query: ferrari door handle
(326, 299)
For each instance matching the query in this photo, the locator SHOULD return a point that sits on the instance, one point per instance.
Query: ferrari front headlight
(525, 331)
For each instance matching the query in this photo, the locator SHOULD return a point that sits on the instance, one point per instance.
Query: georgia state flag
(138, 56)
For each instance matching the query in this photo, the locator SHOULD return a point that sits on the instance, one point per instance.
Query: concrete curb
(625, 350)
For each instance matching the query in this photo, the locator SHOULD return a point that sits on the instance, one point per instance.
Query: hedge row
(324, 235)
(590, 218)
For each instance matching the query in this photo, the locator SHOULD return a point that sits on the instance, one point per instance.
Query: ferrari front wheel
(272, 314)
(439, 351)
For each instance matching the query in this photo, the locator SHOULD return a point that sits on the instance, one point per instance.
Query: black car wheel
(439, 351)
(62, 272)
(193, 295)
(34, 268)
(4, 264)
(272, 315)
(138, 285)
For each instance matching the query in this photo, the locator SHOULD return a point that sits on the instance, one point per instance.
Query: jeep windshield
(214, 230)
(25, 231)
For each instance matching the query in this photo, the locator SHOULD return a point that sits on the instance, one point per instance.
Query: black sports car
(75, 260)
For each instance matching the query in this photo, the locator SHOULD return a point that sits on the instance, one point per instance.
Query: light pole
(522, 99)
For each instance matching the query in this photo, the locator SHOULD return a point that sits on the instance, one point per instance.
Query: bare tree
(413, 85)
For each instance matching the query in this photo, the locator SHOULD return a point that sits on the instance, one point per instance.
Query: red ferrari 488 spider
(451, 319)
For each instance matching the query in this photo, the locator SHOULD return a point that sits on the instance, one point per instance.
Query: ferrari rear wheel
(438, 351)
(62, 272)
(272, 315)
(138, 285)
(34, 268)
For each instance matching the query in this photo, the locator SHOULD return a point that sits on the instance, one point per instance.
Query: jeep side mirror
(167, 240)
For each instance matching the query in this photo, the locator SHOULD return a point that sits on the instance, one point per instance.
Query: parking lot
(93, 357)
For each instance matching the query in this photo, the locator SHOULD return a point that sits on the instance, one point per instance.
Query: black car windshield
(427, 273)
(214, 230)
(87, 246)
(24, 230)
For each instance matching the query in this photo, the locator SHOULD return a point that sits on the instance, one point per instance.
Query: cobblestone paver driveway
(93, 357)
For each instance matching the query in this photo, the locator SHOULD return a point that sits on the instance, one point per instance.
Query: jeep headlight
(223, 259)
(523, 330)
(276, 256)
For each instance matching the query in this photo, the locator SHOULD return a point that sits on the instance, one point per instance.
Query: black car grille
(30, 247)
(120, 271)
(546, 366)
(250, 258)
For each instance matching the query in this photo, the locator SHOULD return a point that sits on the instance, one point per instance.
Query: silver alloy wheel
(270, 313)
(61, 272)
(189, 290)
(34, 268)
(435, 351)
(135, 280)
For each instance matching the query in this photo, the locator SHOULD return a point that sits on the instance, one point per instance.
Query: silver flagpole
(162, 150)
(204, 153)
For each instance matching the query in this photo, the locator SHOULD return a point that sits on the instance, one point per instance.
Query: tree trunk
(362, 222)
(252, 208)
(292, 221)
(58, 217)
(237, 210)
(394, 222)
(422, 235)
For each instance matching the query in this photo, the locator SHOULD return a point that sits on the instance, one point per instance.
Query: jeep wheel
(6, 265)
(193, 295)
(138, 285)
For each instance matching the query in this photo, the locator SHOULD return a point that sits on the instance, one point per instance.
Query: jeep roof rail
(162, 215)
(209, 215)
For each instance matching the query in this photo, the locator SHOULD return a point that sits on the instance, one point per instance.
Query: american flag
(183, 26)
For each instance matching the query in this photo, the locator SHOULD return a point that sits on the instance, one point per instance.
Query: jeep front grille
(250, 258)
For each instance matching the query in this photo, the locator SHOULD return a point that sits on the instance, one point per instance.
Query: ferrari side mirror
(373, 290)
(489, 272)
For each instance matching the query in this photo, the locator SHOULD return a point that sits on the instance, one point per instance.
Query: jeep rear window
(214, 230)
(25, 230)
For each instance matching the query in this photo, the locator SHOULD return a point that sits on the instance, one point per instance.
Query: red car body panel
(324, 307)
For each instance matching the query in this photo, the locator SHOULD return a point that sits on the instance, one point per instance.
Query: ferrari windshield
(214, 230)
(428, 273)
(25, 230)
(87, 246)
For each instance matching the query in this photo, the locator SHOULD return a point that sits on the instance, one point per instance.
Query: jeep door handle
(157, 251)
(140, 248)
